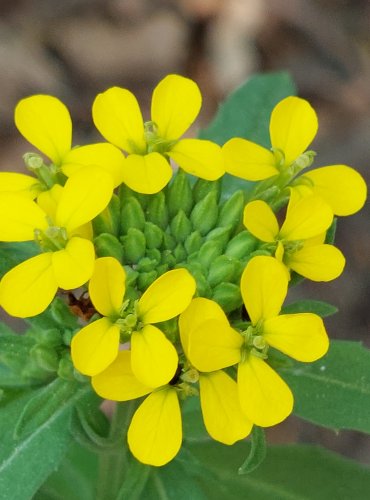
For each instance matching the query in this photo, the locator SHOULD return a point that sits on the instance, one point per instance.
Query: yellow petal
(118, 118)
(45, 122)
(103, 155)
(341, 187)
(198, 157)
(107, 286)
(74, 265)
(248, 160)
(260, 220)
(293, 127)
(95, 346)
(117, 382)
(27, 289)
(214, 345)
(221, 410)
(84, 196)
(301, 336)
(167, 297)
(318, 263)
(48, 200)
(155, 432)
(19, 217)
(154, 359)
(22, 184)
(264, 285)
(146, 174)
(264, 396)
(308, 217)
(199, 311)
(176, 103)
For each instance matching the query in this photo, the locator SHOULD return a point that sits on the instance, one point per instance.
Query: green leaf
(257, 452)
(75, 479)
(295, 472)
(322, 309)
(334, 391)
(246, 112)
(26, 463)
(48, 402)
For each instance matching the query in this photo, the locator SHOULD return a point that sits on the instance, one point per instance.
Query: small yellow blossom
(176, 103)
(222, 414)
(58, 224)
(46, 123)
(154, 358)
(300, 240)
(293, 126)
(264, 397)
(155, 432)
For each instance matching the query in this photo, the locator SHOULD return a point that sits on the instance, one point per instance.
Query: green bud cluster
(183, 226)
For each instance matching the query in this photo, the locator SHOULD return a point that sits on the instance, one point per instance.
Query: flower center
(128, 320)
(254, 342)
(155, 143)
(52, 239)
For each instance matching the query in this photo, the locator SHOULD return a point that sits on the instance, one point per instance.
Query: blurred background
(75, 49)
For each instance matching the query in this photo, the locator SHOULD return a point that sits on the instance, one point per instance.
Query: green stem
(113, 462)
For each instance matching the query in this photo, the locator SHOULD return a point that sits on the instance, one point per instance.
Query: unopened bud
(146, 279)
(193, 242)
(179, 194)
(132, 215)
(133, 246)
(208, 252)
(107, 245)
(202, 188)
(204, 214)
(153, 235)
(231, 212)
(108, 221)
(181, 226)
(222, 269)
(157, 212)
(227, 295)
(241, 245)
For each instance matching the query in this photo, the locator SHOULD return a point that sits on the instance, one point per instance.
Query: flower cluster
(185, 290)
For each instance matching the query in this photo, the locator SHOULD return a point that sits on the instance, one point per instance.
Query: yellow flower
(155, 432)
(176, 103)
(154, 358)
(46, 123)
(293, 126)
(219, 398)
(300, 240)
(264, 397)
(58, 223)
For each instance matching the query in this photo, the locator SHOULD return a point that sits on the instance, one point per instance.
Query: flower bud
(202, 188)
(157, 212)
(146, 279)
(241, 245)
(153, 235)
(179, 195)
(132, 215)
(133, 246)
(107, 245)
(222, 269)
(204, 214)
(180, 226)
(208, 252)
(193, 242)
(227, 295)
(231, 212)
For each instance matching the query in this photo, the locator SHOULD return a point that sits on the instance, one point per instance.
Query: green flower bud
(154, 254)
(222, 269)
(209, 251)
(146, 264)
(203, 288)
(161, 269)
(168, 259)
(227, 295)
(241, 245)
(193, 242)
(132, 215)
(109, 220)
(204, 214)
(107, 245)
(157, 212)
(146, 279)
(169, 241)
(220, 234)
(202, 188)
(180, 226)
(133, 245)
(232, 211)
(179, 194)
(45, 358)
(153, 235)
(67, 337)
(180, 253)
